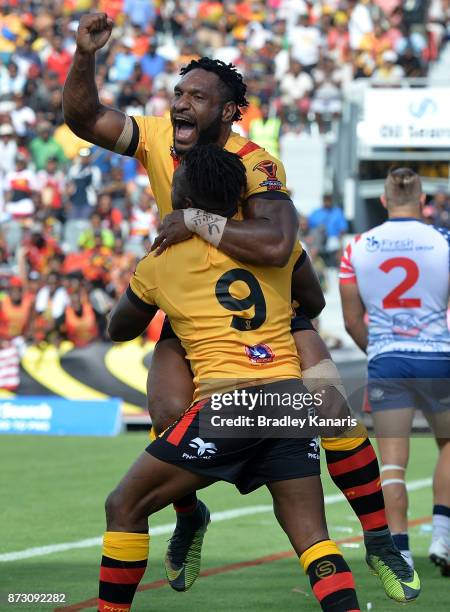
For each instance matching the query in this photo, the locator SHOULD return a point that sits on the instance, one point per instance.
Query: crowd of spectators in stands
(74, 218)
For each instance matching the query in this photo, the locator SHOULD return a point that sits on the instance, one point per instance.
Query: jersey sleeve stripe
(131, 150)
(347, 280)
(136, 301)
(248, 148)
(300, 261)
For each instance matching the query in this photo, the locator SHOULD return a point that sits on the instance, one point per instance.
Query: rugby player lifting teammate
(207, 100)
(215, 341)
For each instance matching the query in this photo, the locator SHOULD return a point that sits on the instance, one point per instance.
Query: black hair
(229, 76)
(216, 177)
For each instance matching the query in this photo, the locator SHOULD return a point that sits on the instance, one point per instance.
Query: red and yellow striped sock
(123, 565)
(353, 466)
(330, 577)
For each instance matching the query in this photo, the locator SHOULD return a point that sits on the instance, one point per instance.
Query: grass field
(52, 492)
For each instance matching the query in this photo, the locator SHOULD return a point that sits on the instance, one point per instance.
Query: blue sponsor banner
(58, 417)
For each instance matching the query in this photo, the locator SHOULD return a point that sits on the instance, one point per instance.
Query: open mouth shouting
(184, 131)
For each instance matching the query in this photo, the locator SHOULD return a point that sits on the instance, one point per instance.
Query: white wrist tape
(124, 140)
(207, 225)
(323, 373)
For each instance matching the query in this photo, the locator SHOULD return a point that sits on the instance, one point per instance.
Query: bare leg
(148, 486)
(298, 506)
(169, 385)
(394, 459)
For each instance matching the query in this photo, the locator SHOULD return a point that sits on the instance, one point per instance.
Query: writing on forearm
(207, 225)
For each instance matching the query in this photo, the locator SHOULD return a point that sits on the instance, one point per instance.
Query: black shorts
(245, 462)
(299, 323)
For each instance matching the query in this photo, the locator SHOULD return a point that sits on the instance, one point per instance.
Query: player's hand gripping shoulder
(93, 32)
(265, 237)
(172, 230)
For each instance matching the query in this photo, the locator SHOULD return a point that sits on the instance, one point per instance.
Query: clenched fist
(93, 32)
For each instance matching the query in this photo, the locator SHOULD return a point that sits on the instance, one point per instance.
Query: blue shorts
(410, 380)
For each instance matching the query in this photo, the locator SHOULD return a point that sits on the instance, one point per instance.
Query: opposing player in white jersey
(398, 273)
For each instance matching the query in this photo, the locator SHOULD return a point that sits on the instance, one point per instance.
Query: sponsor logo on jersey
(260, 353)
(372, 244)
(269, 168)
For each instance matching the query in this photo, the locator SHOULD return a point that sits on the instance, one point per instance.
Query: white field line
(216, 517)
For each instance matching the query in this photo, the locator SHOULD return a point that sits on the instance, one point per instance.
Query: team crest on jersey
(269, 168)
(260, 353)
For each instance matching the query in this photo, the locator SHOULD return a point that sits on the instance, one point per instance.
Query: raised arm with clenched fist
(93, 33)
(86, 116)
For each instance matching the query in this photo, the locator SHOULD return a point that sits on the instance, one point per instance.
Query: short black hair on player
(230, 77)
(216, 178)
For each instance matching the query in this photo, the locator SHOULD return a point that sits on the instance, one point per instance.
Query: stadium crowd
(75, 218)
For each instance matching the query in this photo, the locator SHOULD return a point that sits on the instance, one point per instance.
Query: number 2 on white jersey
(394, 299)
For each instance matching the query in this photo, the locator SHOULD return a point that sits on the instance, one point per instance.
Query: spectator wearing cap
(8, 149)
(389, 74)
(85, 181)
(44, 146)
(20, 187)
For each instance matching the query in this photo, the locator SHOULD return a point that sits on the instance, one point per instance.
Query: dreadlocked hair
(216, 177)
(229, 76)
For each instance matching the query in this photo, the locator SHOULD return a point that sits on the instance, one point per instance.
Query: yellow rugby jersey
(233, 320)
(155, 151)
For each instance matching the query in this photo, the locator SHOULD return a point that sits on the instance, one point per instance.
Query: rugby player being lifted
(207, 100)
